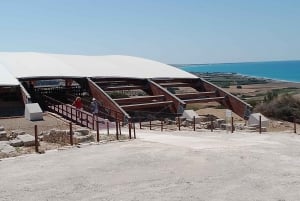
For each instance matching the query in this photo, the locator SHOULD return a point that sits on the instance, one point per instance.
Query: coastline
(284, 71)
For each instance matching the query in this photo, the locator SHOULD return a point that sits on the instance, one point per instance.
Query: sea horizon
(285, 71)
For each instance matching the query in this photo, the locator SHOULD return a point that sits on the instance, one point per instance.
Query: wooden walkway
(81, 117)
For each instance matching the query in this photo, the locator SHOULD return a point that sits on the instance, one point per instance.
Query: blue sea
(276, 70)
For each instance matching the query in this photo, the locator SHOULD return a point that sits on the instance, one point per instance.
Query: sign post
(228, 119)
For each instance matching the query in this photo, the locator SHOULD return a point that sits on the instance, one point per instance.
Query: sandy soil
(254, 89)
(171, 166)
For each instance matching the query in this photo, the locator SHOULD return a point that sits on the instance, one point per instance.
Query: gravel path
(161, 166)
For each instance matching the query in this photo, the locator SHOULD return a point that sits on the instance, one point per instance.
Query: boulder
(83, 131)
(3, 136)
(83, 138)
(16, 143)
(17, 132)
(6, 148)
(28, 140)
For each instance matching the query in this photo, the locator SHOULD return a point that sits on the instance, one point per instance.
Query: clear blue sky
(170, 31)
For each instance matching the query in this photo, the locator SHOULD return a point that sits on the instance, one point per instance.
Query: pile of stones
(63, 136)
(17, 138)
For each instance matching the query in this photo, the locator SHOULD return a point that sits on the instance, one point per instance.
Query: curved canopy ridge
(27, 65)
(31, 65)
(121, 66)
(7, 79)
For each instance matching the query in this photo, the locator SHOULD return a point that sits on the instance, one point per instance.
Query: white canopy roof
(30, 65)
(7, 79)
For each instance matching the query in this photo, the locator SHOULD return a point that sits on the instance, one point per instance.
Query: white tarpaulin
(34, 65)
(6, 78)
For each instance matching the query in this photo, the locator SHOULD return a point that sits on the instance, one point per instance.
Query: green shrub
(283, 107)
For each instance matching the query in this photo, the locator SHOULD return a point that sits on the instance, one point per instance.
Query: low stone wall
(63, 136)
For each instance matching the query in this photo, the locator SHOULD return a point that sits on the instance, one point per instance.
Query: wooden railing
(78, 116)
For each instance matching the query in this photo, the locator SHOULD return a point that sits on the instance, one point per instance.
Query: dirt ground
(50, 121)
(254, 89)
(173, 166)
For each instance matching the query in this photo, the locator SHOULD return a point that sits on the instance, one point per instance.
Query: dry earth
(200, 166)
(254, 89)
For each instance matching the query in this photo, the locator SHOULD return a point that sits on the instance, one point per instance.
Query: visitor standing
(94, 107)
(78, 105)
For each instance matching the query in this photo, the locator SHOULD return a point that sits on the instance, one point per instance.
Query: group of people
(94, 106)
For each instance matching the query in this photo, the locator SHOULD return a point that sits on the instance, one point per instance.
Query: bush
(283, 107)
(114, 95)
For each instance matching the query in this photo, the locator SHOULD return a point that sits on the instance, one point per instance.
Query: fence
(191, 125)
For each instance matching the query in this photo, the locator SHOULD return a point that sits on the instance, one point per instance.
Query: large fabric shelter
(6, 78)
(42, 65)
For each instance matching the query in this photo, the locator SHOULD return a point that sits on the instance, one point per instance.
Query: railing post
(71, 134)
(71, 113)
(134, 131)
(36, 142)
(129, 127)
(259, 124)
(120, 128)
(179, 123)
(117, 132)
(140, 124)
(231, 124)
(87, 120)
(295, 125)
(76, 115)
(150, 125)
(107, 127)
(161, 125)
(194, 122)
(97, 127)
(93, 120)
(211, 124)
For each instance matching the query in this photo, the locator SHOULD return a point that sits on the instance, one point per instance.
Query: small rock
(6, 148)
(17, 132)
(3, 136)
(1, 128)
(16, 143)
(83, 131)
(27, 139)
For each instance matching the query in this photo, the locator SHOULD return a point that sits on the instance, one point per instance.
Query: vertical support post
(150, 124)
(259, 124)
(295, 125)
(117, 127)
(97, 127)
(129, 127)
(140, 125)
(93, 120)
(36, 142)
(179, 123)
(71, 113)
(117, 132)
(232, 125)
(71, 134)
(211, 124)
(107, 127)
(134, 131)
(87, 120)
(120, 128)
(194, 123)
(161, 125)
(76, 115)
